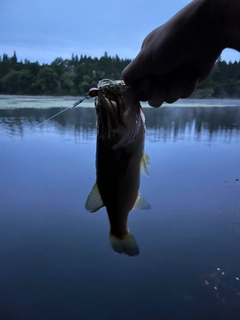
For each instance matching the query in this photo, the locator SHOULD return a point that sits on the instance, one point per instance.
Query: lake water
(56, 259)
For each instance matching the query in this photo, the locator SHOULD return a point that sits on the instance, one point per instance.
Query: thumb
(139, 68)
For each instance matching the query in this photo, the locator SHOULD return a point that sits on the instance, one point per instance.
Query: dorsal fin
(94, 200)
(145, 161)
(141, 204)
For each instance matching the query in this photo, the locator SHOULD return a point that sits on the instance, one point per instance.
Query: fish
(119, 159)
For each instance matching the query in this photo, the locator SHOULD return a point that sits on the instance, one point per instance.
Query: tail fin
(127, 245)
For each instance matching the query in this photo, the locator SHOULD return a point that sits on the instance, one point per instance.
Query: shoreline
(46, 102)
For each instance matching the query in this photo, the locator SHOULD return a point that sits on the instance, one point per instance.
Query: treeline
(223, 82)
(77, 75)
(73, 76)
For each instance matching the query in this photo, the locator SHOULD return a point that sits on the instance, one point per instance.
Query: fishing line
(87, 96)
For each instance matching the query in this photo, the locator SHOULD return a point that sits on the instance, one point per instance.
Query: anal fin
(141, 204)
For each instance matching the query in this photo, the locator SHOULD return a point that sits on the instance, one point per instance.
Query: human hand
(178, 55)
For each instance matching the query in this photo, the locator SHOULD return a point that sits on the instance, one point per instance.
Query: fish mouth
(119, 116)
(110, 107)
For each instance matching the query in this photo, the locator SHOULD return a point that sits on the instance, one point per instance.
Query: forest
(75, 76)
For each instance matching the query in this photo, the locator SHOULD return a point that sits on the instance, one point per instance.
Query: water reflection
(166, 123)
(55, 254)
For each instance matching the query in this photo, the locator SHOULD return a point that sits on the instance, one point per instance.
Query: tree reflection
(166, 123)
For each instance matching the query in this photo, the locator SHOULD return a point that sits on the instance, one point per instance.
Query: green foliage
(77, 75)
(47, 80)
(223, 82)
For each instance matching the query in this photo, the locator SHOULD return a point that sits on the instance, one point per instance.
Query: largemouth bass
(119, 158)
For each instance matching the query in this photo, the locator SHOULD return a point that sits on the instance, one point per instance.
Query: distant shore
(44, 102)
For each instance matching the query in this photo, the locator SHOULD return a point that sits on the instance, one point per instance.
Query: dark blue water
(56, 260)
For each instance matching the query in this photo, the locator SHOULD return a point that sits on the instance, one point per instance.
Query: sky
(42, 30)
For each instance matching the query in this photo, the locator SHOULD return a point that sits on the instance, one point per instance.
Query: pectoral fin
(141, 204)
(145, 161)
(94, 200)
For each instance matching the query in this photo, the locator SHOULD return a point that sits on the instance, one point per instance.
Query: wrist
(209, 22)
(216, 19)
(229, 10)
